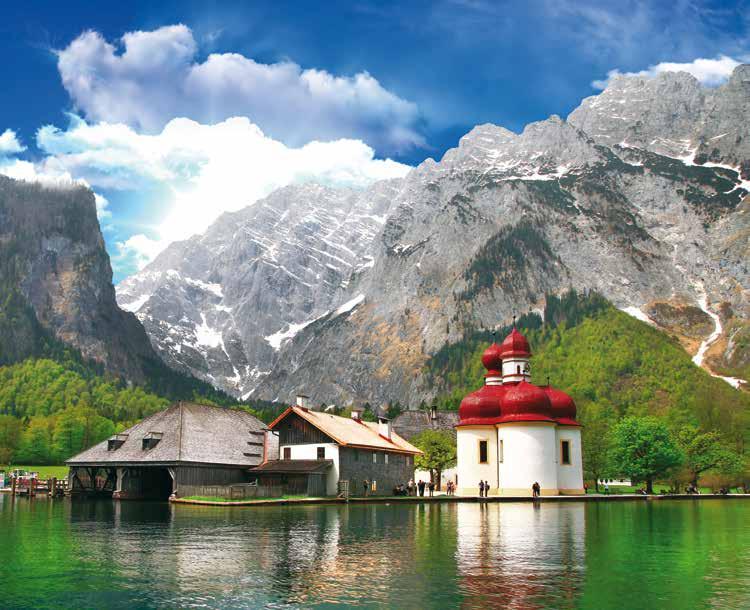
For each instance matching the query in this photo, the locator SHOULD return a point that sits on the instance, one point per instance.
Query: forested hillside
(611, 363)
(51, 410)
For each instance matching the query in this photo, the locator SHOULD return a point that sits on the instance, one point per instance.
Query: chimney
(385, 427)
(433, 412)
(356, 414)
(303, 401)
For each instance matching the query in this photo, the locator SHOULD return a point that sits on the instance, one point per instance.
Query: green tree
(36, 442)
(595, 444)
(439, 449)
(10, 437)
(705, 451)
(643, 449)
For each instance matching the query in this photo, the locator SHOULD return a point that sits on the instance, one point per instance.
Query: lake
(106, 554)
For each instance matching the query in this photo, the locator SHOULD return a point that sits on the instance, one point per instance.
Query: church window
(518, 370)
(565, 452)
(500, 451)
(482, 452)
(321, 453)
(374, 458)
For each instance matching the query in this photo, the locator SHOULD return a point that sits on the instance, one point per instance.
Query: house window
(565, 452)
(482, 452)
(321, 453)
(500, 451)
(518, 370)
(374, 458)
(287, 453)
(386, 458)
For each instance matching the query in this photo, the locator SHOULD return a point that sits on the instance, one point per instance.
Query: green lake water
(106, 554)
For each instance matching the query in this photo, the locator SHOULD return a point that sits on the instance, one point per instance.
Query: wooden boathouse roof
(184, 433)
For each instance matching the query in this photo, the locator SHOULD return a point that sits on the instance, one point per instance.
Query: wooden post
(32, 486)
(13, 486)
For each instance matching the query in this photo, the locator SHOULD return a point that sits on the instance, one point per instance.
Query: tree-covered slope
(611, 363)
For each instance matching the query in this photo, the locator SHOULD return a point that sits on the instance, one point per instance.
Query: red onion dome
(526, 399)
(562, 404)
(515, 344)
(492, 360)
(482, 406)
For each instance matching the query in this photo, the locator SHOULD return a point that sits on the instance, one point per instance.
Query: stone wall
(356, 465)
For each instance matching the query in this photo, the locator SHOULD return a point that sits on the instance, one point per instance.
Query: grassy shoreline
(45, 472)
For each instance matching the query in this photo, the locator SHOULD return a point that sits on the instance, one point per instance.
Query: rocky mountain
(222, 304)
(57, 281)
(595, 202)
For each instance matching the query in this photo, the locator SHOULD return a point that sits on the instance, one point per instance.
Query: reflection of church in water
(512, 433)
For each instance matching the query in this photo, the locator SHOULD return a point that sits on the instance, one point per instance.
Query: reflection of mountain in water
(521, 555)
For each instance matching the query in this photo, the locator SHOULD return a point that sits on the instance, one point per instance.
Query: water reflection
(521, 555)
(84, 554)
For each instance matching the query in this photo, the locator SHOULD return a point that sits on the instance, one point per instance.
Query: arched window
(518, 370)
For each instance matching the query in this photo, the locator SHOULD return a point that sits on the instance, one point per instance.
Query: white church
(512, 433)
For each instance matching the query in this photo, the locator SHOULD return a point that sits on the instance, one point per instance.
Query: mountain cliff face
(222, 304)
(56, 281)
(619, 199)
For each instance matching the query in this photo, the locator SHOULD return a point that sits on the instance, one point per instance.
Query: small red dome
(515, 344)
(492, 359)
(482, 406)
(563, 407)
(526, 399)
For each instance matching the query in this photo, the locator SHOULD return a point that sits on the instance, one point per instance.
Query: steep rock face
(57, 279)
(673, 115)
(616, 199)
(222, 304)
(499, 222)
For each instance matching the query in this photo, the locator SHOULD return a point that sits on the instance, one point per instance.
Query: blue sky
(204, 107)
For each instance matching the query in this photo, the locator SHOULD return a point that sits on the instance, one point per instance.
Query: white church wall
(529, 455)
(469, 470)
(570, 476)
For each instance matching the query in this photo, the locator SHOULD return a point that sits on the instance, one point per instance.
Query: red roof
(563, 406)
(515, 344)
(492, 360)
(514, 402)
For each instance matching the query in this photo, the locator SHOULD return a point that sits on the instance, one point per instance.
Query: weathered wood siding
(294, 430)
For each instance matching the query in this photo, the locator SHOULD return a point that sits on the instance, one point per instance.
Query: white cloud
(208, 169)
(138, 250)
(10, 144)
(709, 72)
(154, 76)
(101, 207)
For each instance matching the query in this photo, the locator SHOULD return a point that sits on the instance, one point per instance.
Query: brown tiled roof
(349, 432)
(410, 423)
(292, 466)
(191, 433)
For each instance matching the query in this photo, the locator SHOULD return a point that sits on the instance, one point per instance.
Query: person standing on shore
(420, 487)
(535, 490)
(366, 485)
(431, 488)
(481, 488)
(486, 488)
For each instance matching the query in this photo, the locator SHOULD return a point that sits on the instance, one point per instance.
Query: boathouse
(347, 450)
(182, 451)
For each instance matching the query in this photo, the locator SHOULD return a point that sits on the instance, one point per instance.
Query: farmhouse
(353, 451)
(177, 451)
(512, 433)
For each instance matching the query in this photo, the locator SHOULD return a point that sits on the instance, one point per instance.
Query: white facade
(519, 455)
(310, 452)
(528, 447)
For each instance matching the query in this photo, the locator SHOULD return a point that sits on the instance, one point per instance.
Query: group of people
(484, 488)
